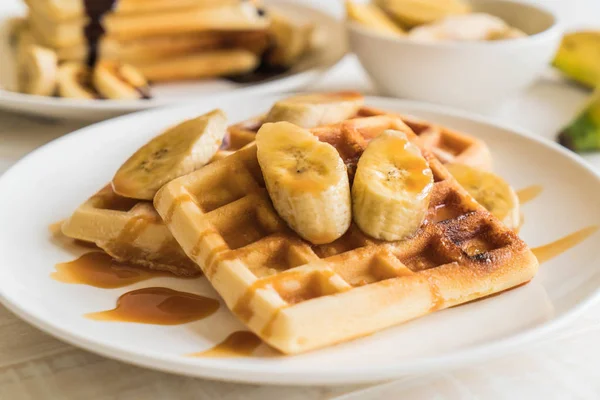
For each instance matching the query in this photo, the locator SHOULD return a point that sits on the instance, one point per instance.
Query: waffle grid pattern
(298, 296)
(448, 145)
(130, 231)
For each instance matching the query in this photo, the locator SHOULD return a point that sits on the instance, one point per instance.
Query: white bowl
(473, 75)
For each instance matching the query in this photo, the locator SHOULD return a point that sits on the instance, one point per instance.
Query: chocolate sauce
(95, 10)
(261, 73)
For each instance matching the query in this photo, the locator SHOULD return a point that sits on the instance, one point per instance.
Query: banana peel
(583, 133)
(578, 57)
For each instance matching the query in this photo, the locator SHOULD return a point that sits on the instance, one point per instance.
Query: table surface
(34, 365)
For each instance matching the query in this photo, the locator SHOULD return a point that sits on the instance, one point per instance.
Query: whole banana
(578, 57)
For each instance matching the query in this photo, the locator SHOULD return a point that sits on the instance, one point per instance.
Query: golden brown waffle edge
(297, 296)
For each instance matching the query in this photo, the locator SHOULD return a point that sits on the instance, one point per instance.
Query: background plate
(330, 39)
(47, 185)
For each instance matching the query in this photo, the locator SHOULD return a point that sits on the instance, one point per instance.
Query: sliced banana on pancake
(491, 191)
(306, 180)
(120, 81)
(75, 81)
(38, 70)
(392, 187)
(311, 110)
(178, 151)
(372, 17)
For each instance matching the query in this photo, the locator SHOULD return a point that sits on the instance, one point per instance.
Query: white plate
(330, 41)
(47, 185)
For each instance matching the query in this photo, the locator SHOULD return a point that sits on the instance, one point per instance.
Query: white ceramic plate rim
(288, 81)
(222, 370)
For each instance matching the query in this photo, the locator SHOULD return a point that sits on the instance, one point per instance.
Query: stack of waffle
(166, 39)
(219, 219)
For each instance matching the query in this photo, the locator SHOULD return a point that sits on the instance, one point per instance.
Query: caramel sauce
(529, 193)
(419, 175)
(158, 306)
(556, 248)
(124, 245)
(210, 266)
(444, 212)
(237, 344)
(174, 205)
(310, 183)
(198, 245)
(476, 246)
(100, 270)
(277, 282)
(242, 308)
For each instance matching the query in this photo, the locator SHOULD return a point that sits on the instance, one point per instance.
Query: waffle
(156, 48)
(201, 65)
(75, 9)
(297, 296)
(167, 46)
(130, 231)
(447, 145)
(59, 34)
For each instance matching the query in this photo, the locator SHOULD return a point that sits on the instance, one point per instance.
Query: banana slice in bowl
(311, 110)
(120, 81)
(373, 17)
(392, 187)
(306, 180)
(38, 71)
(178, 151)
(74, 81)
(410, 13)
(491, 191)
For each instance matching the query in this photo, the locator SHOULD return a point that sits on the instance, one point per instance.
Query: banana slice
(470, 27)
(392, 187)
(120, 81)
(371, 16)
(178, 151)
(491, 191)
(410, 13)
(290, 40)
(311, 110)
(74, 81)
(307, 181)
(38, 68)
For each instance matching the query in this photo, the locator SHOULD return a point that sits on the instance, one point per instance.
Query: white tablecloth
(36, 366)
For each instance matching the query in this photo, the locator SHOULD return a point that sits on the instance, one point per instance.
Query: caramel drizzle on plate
(158, 306)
